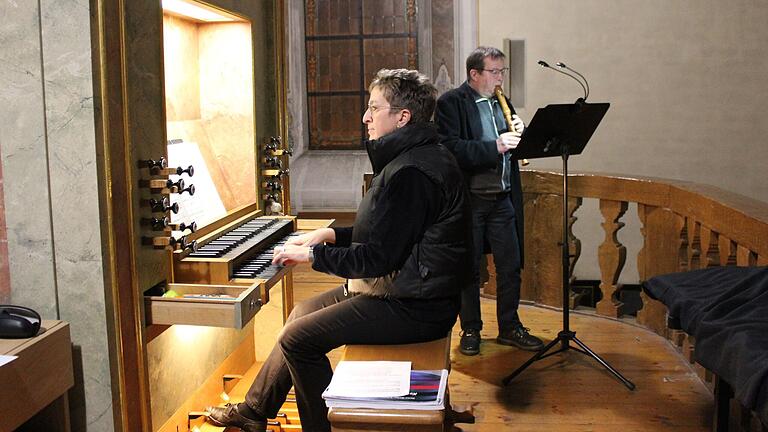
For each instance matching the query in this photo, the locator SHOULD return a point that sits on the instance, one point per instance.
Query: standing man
(473, 128)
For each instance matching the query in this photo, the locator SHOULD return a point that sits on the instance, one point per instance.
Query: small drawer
(205, 305)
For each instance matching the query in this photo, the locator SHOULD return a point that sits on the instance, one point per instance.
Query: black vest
(440, 264)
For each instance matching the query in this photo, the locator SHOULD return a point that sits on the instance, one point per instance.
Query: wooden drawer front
(235, 310)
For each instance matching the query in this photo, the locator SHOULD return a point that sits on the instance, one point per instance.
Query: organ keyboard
(260, 266)
(237, 253)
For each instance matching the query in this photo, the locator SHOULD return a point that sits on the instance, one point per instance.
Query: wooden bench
(429, 356)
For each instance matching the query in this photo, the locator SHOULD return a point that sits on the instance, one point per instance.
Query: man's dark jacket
(438, 264)
(458, 121)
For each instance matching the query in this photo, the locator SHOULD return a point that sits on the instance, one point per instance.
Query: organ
(196, 192)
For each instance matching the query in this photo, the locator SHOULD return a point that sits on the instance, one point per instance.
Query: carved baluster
(709, 251)
(488, 289)
(694, 245)
(574, 244)
(745, 257)
(528, 289)
(543, 259)
(611, 256)
(682, 252)
(664, 247)
(726, 251)
(689, 344)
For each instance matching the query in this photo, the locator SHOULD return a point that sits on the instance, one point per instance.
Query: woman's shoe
(230, 416)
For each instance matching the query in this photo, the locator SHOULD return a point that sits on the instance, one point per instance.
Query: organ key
(241, 250)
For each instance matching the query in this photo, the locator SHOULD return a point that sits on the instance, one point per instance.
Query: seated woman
(406, 258)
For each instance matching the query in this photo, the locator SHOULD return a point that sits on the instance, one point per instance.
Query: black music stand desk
(562, 130)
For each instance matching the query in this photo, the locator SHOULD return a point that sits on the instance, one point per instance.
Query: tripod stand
(566, 128)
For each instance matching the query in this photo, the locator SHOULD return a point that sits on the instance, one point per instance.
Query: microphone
(544, 64)
(563, 65)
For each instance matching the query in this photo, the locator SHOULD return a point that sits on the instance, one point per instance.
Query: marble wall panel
(5, 280)
(442, 40)
(297, 79)
(68, 89)
(25, 171)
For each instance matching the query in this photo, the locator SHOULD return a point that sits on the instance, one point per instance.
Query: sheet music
(5, 359)
(370, 379)
(206, 205)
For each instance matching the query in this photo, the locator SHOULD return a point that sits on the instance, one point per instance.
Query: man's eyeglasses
(497, 71)
(374, 109)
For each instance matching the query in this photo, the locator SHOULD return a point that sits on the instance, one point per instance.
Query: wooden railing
(685, 226)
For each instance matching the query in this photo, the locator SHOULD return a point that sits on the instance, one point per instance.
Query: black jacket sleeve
(343, 236)
(409, 203)
(452, 121)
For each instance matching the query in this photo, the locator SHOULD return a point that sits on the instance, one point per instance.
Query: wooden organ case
(190, 108)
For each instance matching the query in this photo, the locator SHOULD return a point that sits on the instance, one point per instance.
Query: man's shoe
(230, 416)
(470, 342)
(519, 337)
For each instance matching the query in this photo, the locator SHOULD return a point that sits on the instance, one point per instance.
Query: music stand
(563, 130)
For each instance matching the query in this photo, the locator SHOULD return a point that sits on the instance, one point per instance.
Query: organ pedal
(196, 419)
(229, 382)
(285, 418)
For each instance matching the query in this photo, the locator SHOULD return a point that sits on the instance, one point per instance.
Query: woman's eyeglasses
(374, 109)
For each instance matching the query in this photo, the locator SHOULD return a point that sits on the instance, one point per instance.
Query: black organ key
(241, 238)
(260, 266)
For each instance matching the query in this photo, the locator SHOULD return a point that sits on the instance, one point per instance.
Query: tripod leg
(537, 356)
(605, 364)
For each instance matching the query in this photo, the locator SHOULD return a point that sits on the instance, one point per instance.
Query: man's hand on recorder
(517, 124)
(507, 141)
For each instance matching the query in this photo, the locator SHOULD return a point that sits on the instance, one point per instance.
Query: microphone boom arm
(563, 65)
(544, 64)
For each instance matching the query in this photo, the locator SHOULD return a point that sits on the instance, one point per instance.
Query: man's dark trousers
(493, 219)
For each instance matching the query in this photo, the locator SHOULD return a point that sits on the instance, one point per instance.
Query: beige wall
(686, 81)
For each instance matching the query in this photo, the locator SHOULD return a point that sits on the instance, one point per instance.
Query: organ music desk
(33, 388)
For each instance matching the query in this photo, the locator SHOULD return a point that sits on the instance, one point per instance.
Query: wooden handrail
(685, 226)
(743, 219)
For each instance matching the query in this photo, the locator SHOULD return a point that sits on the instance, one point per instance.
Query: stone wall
(47, 142)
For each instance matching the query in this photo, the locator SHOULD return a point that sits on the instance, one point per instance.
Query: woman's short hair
(409, 89)
(476, 59)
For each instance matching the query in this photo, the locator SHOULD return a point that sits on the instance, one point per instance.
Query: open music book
(373, 384)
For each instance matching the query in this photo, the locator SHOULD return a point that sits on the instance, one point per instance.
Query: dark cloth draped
(726, 310)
